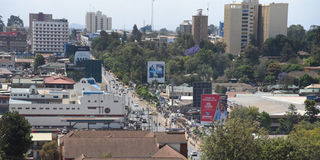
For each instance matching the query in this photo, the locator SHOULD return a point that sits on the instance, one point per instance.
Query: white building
(94, 108)
(49, 36)
(97, 22)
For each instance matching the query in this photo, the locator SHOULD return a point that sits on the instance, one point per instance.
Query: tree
(306, 141)
(136, 34)
(15, 21)
(234, 140)
(38, 61)
(15, 139)
(1, 24)
(221, 89)
(164, 31)
(291, 118)
(50, 151)
(246, 113)
(296, 32)
(244, 71)
(306, 80)
(251, 55)
(265, 120)
(311, 111)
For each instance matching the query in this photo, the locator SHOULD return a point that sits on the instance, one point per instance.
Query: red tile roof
(58, 80)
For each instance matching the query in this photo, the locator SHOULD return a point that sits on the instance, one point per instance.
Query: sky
(167, 13)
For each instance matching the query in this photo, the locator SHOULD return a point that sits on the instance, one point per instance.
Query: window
(47, 108)
(68, 108)
(55, 97)
(89, 101)
(73, 108)
(19, 108)
(41, 108)
(95, 101)
(13, 108)
(33, 108)
(60, 108)
(27, 107)
(101, 101)
(54, 108)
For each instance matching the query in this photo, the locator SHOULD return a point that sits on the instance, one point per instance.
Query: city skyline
(139, 11)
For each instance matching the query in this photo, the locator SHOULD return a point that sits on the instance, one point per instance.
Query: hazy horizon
(167, 13)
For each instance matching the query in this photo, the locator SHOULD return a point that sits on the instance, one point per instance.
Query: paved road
(156, 122)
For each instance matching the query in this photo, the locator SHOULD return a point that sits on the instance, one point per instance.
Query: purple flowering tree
(192, 51)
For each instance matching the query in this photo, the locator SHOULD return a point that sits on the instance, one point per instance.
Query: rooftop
(58, 80)
(122, 145)
(41, 136)
(5, 71)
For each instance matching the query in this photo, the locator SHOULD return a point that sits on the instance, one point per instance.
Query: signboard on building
(156, 71)
(209, 103)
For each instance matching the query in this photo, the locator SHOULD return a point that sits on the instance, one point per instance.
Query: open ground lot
(271, 103)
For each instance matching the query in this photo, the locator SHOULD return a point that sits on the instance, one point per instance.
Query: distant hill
(76, 26)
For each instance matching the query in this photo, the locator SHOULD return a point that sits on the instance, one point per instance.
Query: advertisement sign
(209, 103)
(156, 71)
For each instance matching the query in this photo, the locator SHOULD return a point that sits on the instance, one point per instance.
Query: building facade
(272, 20)
(240, 21)
(13, 41)
(97, 22)
(199, 27)
(249, 19)
(200, 88)
(49, 36)
(185, 27)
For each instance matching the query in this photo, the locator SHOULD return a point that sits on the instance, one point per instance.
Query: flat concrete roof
(41, 136)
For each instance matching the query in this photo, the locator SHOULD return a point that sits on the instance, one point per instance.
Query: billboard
(209, 103)
(156, 71)
(221, 112)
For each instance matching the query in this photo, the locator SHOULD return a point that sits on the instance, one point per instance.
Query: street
(143, 115)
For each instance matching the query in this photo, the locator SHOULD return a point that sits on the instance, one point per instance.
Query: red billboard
(209, 103)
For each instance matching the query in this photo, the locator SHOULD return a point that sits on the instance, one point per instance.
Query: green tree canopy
(296, 32)
(306, 80)
(50, 151)
(15, 21)
(311, 111)
(292, 118)
(15, 139)
(1, 24)
(234, 140)
(135, 34)
(38, 61)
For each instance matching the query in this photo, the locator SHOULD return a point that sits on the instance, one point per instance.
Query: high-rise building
(38, 17)
(91, 22)
(240, 21)
(272, 20)
(49, 36)
(248, 18)
(97, 22)
(199, 27)
(185, 27)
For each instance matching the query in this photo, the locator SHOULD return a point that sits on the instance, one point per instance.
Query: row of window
(52, 25)
(95, 101)
(46, 108)
(46, 49)
(49, 46)
(50, 29)
(47, 35)
(46, 42)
